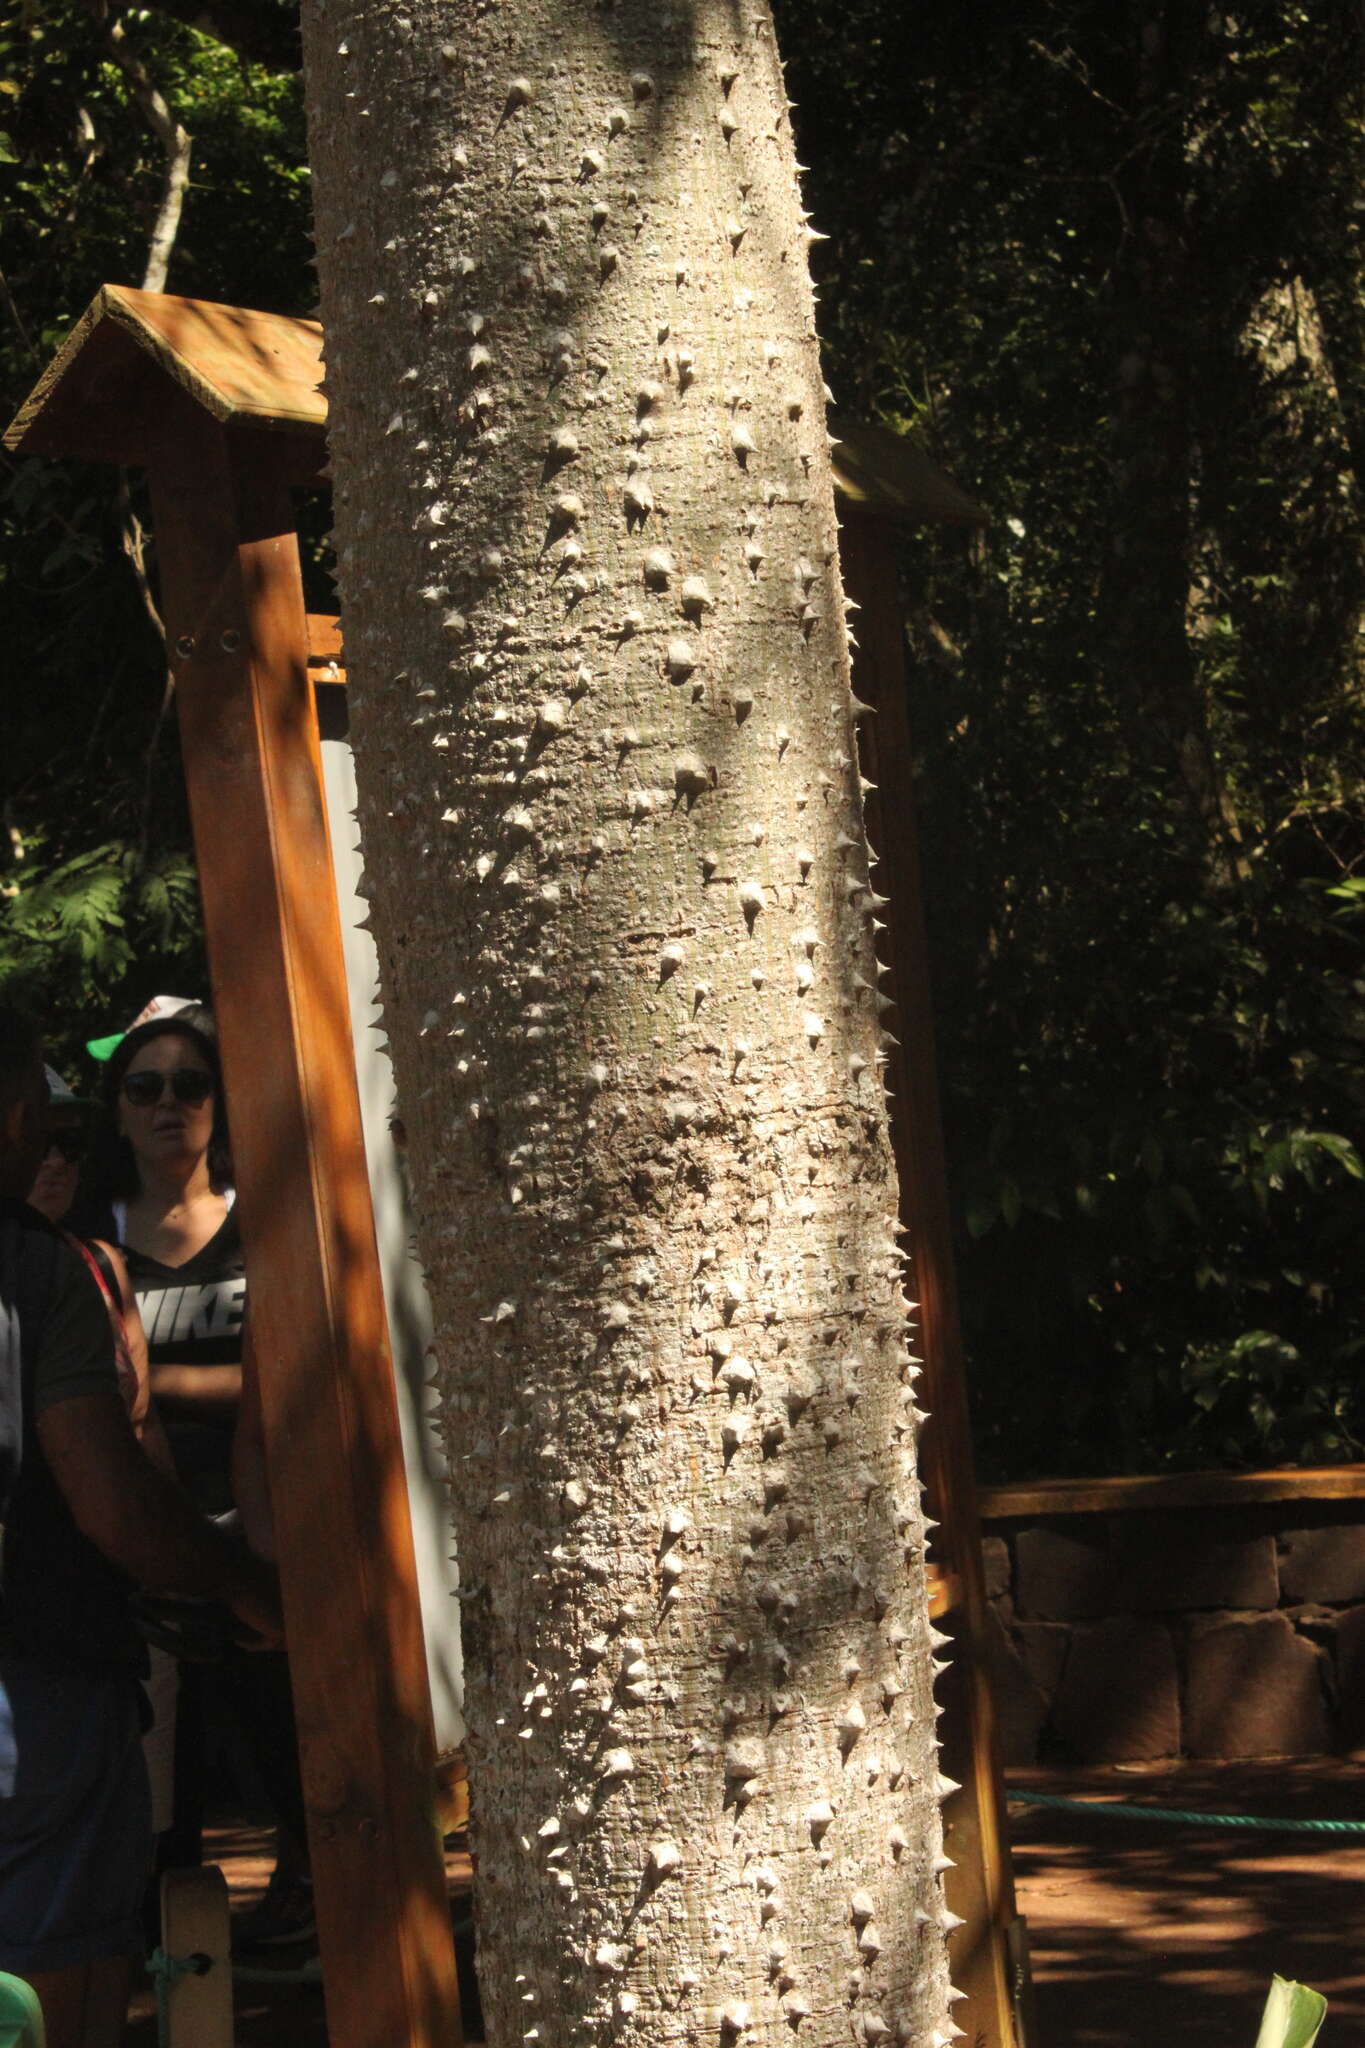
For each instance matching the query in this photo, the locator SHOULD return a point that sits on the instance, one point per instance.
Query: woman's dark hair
(114, 1175)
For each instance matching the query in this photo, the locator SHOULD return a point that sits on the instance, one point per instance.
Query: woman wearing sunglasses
(169, 1183)
(171, 1192)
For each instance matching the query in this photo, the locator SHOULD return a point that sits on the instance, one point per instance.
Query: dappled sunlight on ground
(283, 2014)
(1146, 1933)
(1143, 1935)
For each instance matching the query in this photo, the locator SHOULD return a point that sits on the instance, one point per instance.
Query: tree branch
(177, 147)
(17, 317)
(174, 140)
(91, 149)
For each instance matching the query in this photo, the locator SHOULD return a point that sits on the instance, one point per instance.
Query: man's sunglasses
(69, 1142)
(190, 1085)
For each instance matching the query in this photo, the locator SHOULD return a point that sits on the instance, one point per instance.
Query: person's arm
(157, 1444)
(137, 1517)
(146, 1421)
(250, 1480)
(140, 1520)
(193, 1393)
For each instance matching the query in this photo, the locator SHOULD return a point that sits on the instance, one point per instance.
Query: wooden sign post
(196, 1944)
(989, 1955)
(223, 408)
(222, 412)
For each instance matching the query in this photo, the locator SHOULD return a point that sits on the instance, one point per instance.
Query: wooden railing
(1170, 1490)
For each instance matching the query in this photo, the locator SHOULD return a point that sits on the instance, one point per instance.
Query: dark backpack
(29, 1249)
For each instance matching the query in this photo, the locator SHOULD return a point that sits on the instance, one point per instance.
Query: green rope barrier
(1120, 1811)
(165, 1971)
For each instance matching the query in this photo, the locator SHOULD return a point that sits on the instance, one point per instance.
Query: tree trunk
(613, 829)
(1145, 596)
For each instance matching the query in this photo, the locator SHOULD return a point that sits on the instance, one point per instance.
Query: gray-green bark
(605, 747)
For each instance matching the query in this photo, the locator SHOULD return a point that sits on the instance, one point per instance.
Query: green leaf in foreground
(1292, 2016)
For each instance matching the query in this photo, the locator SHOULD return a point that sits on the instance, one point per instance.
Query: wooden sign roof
(260, 369)
(890, 474)
(265, 370)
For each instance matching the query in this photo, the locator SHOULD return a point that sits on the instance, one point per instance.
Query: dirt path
(1153, 1936)
(1143, 1935)
(274, 2012)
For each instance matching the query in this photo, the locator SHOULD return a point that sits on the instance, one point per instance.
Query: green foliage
(1122, 303)
(77, 930)
(96, 872)
(1105, 259)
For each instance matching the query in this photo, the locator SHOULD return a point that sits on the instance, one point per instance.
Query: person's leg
(108, 1983)
(255, 1684)
(62, 1995)
(87, 2005)
(75, 1839)
(181, 1847)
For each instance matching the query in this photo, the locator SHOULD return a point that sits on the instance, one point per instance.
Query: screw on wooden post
(194, 1968)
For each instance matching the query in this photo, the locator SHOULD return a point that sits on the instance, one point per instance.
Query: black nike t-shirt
(193, 1315)
(59, 1596)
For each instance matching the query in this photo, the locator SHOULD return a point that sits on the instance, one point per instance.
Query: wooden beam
(981, 1888)
(194, 1922)
(233, 602)
(324, 638)
(1170, 1490)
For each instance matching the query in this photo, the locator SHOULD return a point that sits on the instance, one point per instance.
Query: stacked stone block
(1205, 1632)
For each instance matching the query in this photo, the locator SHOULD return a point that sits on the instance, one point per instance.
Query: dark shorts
(75, 1815)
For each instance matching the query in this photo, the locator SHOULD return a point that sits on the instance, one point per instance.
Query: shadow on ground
(1145, 1933)
(282, 2013)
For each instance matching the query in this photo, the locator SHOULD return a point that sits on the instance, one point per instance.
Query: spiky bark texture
(613, 827)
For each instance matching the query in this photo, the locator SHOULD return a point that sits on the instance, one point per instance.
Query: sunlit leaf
(1293, 2015)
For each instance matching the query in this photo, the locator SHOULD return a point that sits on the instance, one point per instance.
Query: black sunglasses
(70, 1143)
(190, 1085)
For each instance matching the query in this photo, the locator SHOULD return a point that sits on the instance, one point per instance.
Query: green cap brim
(102, 1049)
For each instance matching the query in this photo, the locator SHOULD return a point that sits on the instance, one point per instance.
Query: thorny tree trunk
(613, 830)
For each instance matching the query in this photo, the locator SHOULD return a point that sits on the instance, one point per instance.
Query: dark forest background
(1105, 262)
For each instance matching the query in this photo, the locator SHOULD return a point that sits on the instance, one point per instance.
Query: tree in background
(1109, 260)
(1105, 260)
(613, 834)
(113, 121)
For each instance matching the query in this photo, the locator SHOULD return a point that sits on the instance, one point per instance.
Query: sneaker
(284, 1919)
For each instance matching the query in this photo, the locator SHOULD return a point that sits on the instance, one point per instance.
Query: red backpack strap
(103, 1280)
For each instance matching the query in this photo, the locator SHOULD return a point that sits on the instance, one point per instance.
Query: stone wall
(1205, 1632)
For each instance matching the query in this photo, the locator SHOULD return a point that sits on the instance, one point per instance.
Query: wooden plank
(1170, 1490)
(238, 363)
(233, 602)
(324, 637)
(264, 368)
(195, 1926)
(981, 1888)
(89, 400)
